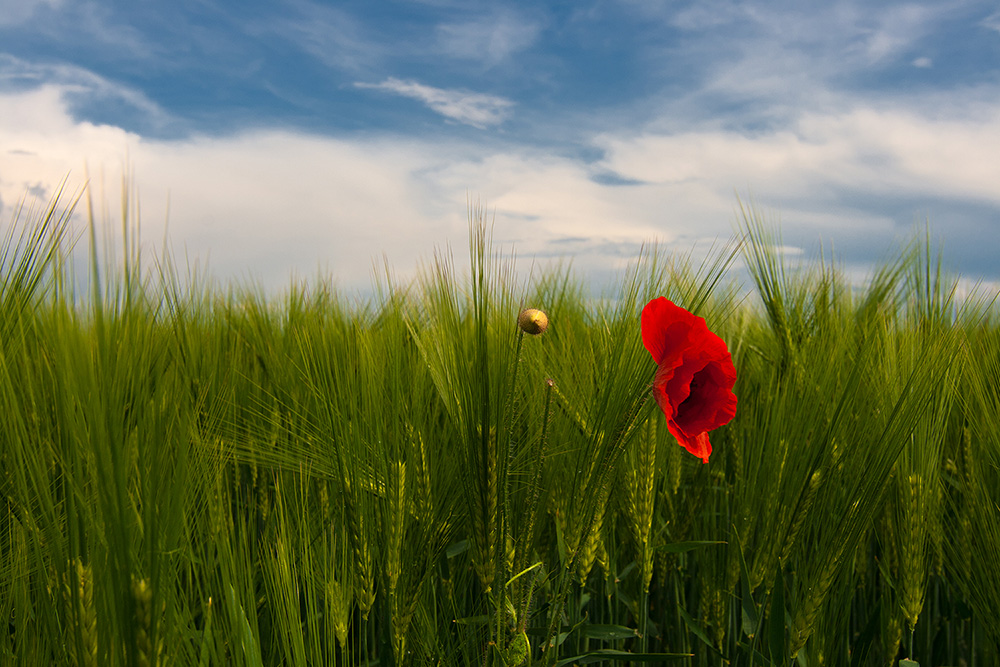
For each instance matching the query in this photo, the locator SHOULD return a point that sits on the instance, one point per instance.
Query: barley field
(203, 475)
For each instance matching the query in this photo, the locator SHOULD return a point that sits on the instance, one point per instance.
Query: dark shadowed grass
(198, 476)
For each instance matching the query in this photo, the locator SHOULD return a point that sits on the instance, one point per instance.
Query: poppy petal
(696, 444)
(665, 328)
(694, 376)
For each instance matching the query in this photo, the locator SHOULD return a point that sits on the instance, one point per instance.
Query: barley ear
(913, 562)
(484, 520)
(396, 523)
(590, 548)
(807, 612)
(146, 653)
(364, 580)
(339, 599)
(801, 512)
(79, 595)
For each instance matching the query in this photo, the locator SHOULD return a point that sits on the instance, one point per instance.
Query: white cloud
(899, 151)
(262, 204)
(273, 203)
(42, 143)
(890, 152)
(475, 109)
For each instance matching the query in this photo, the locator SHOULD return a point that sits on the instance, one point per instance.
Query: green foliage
(190, 476)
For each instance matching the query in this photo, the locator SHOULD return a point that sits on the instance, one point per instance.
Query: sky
(279, 140)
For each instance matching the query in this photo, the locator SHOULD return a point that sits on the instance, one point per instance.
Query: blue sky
(274, 139)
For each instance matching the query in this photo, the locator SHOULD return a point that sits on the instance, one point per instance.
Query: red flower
(694, 381)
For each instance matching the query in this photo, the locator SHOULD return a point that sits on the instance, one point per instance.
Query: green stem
(521, 553)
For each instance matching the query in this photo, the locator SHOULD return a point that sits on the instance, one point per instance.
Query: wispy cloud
(992, 21)
(489, 39)
(81, 88)
(895, 29)
(83, 27)
(746, 44)
(15, 12)
(330, 34)
(475, 109)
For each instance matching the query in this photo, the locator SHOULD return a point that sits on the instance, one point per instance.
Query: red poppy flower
(694, 381)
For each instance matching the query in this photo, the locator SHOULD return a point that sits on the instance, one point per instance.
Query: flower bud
(533, 321)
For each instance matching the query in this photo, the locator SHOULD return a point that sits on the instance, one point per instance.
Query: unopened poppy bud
(533, 321)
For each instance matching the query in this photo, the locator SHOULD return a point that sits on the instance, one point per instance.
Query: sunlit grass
(197, 476)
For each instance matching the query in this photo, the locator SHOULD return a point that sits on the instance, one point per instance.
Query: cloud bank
(274, 203)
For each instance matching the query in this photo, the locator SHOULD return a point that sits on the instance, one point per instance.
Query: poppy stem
(531, 510)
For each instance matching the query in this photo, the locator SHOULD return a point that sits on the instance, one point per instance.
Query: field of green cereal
(196, 476)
